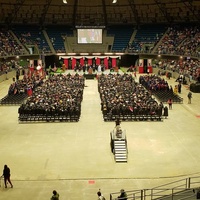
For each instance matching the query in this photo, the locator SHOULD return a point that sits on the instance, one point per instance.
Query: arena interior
(74, 55)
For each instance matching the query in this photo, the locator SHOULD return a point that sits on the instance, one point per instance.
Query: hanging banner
(82, 61)
(98, 61)
(89, 61)
(114, 62)
(66, 62)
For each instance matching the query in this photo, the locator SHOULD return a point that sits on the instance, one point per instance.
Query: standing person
(100, 196)
(176, 89)
(179, 87)
(123, 195)
(55, 195)
(6, 175)
(189, 97)
(165, 113)
(17, 74)
(170, 104)
(117, 122)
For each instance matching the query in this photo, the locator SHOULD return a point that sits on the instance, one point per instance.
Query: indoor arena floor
(76, 160)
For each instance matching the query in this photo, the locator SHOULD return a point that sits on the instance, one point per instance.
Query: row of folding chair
(133, 117)
(48, 118)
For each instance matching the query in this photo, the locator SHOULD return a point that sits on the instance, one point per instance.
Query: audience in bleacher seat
(27, 39)
(32, 36)
(188, 68)
(9, 45)
(58, 95)
(178, 40)
(181, 41)
(121, 95)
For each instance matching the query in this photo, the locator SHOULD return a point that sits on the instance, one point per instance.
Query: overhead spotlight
(114, 1)
(65, 1)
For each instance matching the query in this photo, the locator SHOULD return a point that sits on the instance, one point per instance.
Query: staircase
(120, 150)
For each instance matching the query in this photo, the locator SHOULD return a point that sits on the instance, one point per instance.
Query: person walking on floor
(6, 175)
(170, 104)
(55, 195)
(189, 97)
(123, 195)
(165, 113)
(100, 195)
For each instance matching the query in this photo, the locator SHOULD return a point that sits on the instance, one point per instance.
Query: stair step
(119, 145)
(119, 141)
(121, 149)
(121, 160)
(120, 156)
(121, 153)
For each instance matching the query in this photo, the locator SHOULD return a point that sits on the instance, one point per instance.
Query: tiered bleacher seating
(179, 40)
(56, 35)
(147, 34)
(32, 35)
(122, 36)
(8, 45)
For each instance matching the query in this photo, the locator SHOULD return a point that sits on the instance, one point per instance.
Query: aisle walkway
(75, 158)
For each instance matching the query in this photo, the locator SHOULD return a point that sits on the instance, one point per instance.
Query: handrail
(173, 189)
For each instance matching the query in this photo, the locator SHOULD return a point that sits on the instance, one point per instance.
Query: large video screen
(89, 36)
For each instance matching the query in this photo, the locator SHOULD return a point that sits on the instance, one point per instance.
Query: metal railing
(179, 190)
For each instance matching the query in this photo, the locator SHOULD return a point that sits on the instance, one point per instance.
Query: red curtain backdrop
(73, 62)
(98, 61)
(106, 63)
(81, 61)
(66, 62)
(114, 62)
(89, 61)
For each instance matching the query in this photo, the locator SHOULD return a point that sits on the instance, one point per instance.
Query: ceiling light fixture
(114, 1)
(65, 1)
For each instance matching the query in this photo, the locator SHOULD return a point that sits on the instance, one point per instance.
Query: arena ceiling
(98, 12)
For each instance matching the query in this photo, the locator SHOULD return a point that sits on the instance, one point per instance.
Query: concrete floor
(76, 160)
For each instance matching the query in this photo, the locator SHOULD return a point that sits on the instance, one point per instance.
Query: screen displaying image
(89, 36)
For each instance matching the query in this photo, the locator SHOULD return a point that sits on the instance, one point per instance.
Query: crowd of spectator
(181, 41)
(178, 40)
(59, 95)
(28, 39)
(188, 68)
(191, 45)
(121, 95)
(9, 45)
